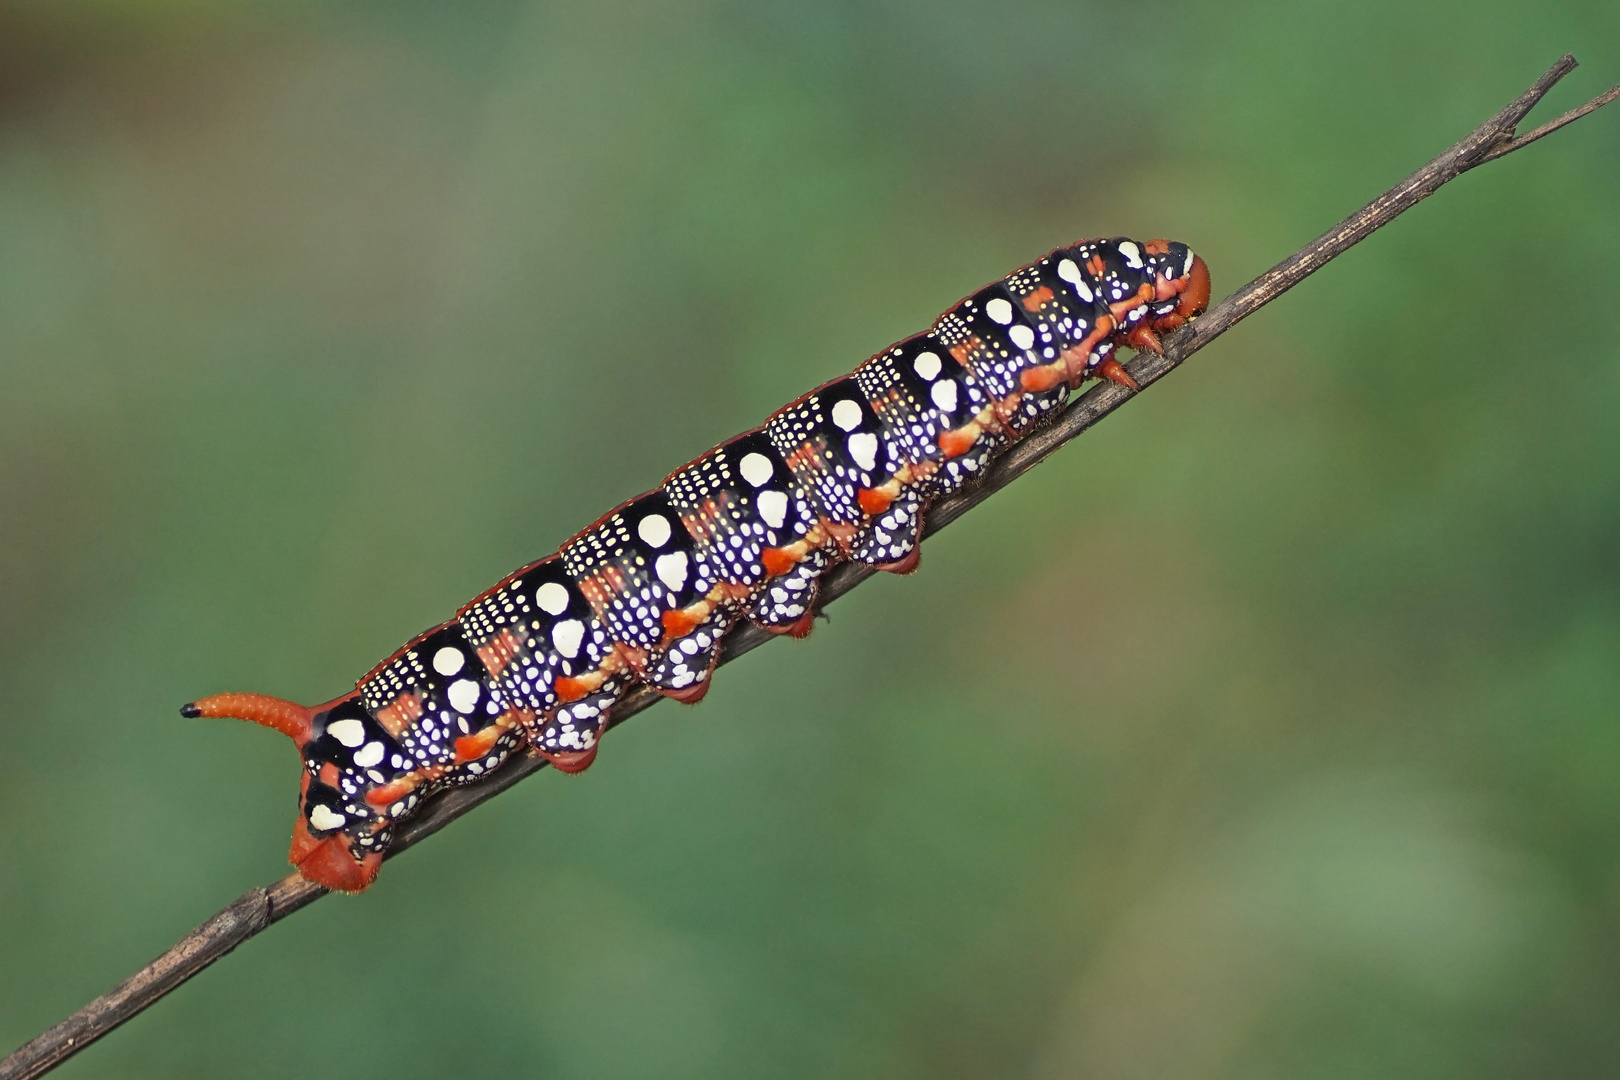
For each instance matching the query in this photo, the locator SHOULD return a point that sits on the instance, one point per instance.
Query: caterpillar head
(1149, 288)
(1180, 283)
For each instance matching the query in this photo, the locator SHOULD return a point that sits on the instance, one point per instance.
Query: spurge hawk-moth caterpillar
(645, 595)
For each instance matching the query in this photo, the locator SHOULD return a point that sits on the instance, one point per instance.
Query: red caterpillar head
(1148, 288)
(1180, 283)
(338, 839)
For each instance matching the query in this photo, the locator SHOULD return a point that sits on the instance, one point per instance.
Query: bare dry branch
(258, 908)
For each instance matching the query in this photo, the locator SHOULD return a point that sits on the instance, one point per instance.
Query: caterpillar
(646, 594)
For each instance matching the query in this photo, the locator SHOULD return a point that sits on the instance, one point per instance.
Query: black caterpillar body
(644, 595)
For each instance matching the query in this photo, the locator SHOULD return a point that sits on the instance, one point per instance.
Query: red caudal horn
(292, 720)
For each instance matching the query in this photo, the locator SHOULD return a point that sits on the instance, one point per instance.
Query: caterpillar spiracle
(644, 595)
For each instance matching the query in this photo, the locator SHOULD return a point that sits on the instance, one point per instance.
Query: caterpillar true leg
(1114, 372)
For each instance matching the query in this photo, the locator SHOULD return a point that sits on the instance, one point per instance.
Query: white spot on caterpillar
(448, 660)
(926, 366)
(463, 695)
(772, 507)
(1186, 267)
(350, 733)
(654, 529)
(1068, 271)
(756, 469)
(999, 310)
(863, 448)
(1022, 336)
(368, 755)
(847, 415)
(1132, 253)
(567, 635)
(944, 395)
(551, 598)
(671, 570)
(324, 819)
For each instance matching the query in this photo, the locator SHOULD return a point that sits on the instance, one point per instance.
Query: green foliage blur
(1270, 730)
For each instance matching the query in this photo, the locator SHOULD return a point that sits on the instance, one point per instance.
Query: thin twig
(258, 908)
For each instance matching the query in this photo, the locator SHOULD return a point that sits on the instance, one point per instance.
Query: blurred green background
(317, 319)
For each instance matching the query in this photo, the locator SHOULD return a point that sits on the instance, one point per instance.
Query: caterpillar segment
(646, 594)
(930, 406)
(639, 568)
(832, 441)
(554, 658)
(741, 507)
(1071, 332)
